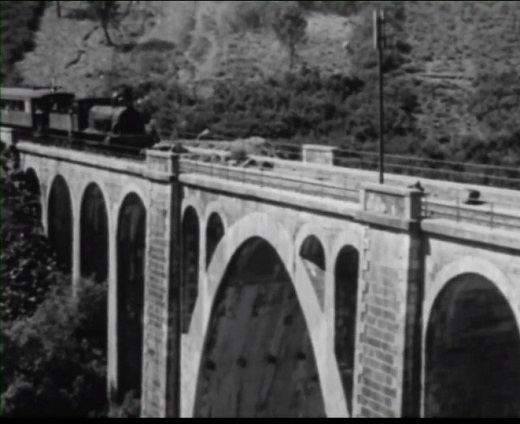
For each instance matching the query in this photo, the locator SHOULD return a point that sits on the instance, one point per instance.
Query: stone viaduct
(270, 292)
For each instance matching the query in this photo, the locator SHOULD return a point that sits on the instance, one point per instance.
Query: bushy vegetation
(450, 71)
(53, 345)
(55, 359)
(27, 263)
(302, 105)
(345, 8)
(19, 21)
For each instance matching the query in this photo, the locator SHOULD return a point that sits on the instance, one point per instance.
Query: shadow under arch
(94, 234)
(60, 222)
(190, 264)
(472, 348)
(346, 275)
(257, 358)
(214, 232)
(32, 184)
(131, 244)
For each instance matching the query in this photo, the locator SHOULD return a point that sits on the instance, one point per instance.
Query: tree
(289, 26)
(55, 360)
(27, 262)
(107, 12)
(19, 22)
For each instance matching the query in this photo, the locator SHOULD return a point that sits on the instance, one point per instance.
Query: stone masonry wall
(382, 335)
(380, 328)
(160, 324)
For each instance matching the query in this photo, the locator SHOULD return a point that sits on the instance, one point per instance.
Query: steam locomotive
(45, 112)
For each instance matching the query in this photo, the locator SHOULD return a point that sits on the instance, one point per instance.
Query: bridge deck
(446, 200)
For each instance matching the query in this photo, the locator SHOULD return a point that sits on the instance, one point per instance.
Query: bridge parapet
(317, 153)
(298, 182)
(161, 166)
(159, 161)
(396, 207)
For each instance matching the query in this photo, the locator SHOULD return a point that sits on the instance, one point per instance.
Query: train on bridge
(49, 114)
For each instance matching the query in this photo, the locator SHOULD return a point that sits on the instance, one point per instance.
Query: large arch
(60, 221)
(190, 264)
(275, 232)
(258, 358)
(472, 351)
(346, 274)
(94, 234)
(131, 244)
(214, 232)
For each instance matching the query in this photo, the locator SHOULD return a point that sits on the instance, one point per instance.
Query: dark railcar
(122, 125)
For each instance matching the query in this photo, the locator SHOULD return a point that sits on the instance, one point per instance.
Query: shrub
(55, 360)
(19, 21)
(27, 262)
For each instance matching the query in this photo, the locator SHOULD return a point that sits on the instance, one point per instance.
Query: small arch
(258, 359)
(94, 234)
(472, 348)
(32, 183)
(312, 254)
(346, 274)
(60, 222)
(131, 251)
(190, 264)
(214, 233)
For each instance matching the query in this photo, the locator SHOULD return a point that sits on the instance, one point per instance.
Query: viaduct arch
(254, 231)
(60, 220)
(94, 234)
(471, 343)
(131, 250)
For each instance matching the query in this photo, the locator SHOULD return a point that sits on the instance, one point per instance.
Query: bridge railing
(489, 214)
(462, 172)
(267, 177)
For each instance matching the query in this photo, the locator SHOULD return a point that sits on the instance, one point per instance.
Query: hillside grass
(452, 69)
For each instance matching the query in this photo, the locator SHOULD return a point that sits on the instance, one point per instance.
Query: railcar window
(60, 104)
(8, 104)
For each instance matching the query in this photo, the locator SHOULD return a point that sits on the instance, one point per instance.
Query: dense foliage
(55, 359)
(449, 93)
(19, 21)
(289, 25)
(27, 263)
(53, 345)
(106, 11)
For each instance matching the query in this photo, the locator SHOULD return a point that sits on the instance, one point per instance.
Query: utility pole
(58, 9)
(379, 45)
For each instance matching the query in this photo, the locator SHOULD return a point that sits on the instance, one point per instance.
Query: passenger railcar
(50, 112)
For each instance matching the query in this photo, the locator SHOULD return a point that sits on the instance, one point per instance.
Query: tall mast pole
(379, 44)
